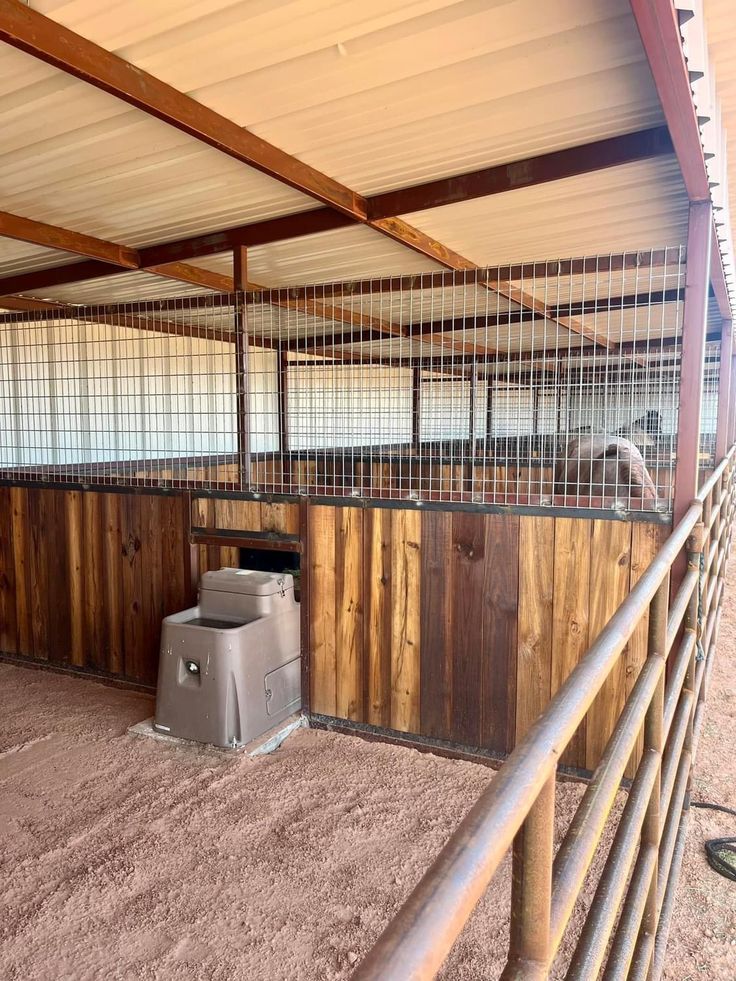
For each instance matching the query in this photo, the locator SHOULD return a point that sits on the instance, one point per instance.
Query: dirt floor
(703, 936)
(124, 857)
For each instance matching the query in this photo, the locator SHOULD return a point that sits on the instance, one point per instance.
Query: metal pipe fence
(625, 928)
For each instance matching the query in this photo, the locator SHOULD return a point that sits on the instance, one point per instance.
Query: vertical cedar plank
(203, 559)
(536, 578)
(609, 585)
(405, 619)
(646, 540)
(94, 595)
(238, 515)
(113, 573)
(37, 540)
(322, 608)
(436, 680)
(153, 586)
(377, 545)
(467, 564)
(570, 613)
(214, 557)
(293, 519)
(203, 512)
(8, 616)
(349, 613)
(75, 569)
(274, 517)
(229, 557)
(500, 617)
(57, 598)
(133, 625)
(22, 569)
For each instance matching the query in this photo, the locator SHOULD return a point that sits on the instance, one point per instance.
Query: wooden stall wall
(86, 577)
(460, 626)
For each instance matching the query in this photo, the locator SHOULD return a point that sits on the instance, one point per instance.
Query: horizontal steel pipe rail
(578, 848)
(665, 917)
(677, 678)
(416, 942)
(679, 605)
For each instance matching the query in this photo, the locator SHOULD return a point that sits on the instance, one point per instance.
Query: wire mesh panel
(128, 394)
(540, 383)
(709, 410)
(550, 382)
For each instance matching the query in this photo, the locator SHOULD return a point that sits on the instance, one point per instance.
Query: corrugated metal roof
(638, 205)
(720, 22)
(428, 88)
(378, 96)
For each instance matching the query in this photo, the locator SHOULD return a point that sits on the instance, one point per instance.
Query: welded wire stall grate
(501, 385)
(709, 409)
(141, 393)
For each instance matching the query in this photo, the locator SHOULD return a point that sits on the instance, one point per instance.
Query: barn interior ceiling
(348, 144)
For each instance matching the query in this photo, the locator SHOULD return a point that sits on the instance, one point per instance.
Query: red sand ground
(123, 857)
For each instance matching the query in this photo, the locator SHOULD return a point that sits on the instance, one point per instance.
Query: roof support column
(240, 277)
(724, 391)
(693, 356)
(732, 403)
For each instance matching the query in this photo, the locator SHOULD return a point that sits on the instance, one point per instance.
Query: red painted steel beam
(256, 233)
(570, 162)
(53, 237)
(660, 34)
(718, 278)
(725, 393)
(492, 180)
(693, 356)
(732, 404)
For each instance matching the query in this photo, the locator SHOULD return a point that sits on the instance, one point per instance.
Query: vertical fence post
(632, 948)
(531, 891)
(692, 626)
(724, 391)
(697, 280)
(240, 277)
(732, 402)
(654, 743)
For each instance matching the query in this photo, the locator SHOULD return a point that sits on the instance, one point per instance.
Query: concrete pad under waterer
(267, 742)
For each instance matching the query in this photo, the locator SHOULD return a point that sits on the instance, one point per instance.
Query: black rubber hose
(715, 847)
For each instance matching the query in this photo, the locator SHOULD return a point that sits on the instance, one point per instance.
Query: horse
(642, 431)
(603, 466)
